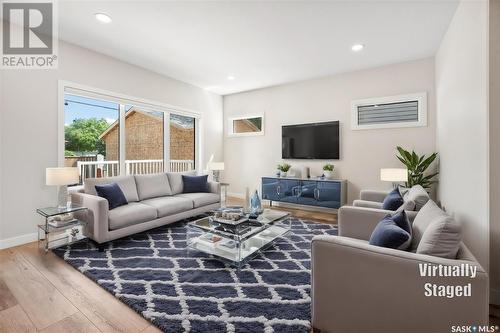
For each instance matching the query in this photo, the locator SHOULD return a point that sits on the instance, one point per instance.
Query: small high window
(390, 112)
(246, 126)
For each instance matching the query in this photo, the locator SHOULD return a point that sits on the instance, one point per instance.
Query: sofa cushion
(201, 199)
(393, 200)
(194, 184)
(126, 183)
(175, 180)
(131, 214)
(436, 233)
(416, 195)
(393, 231)
(169, 205)
(112, 193)
(152, 186)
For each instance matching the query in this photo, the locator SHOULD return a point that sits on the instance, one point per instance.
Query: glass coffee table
(237, 243)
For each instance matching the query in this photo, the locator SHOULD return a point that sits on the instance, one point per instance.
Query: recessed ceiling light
(230, 77)
(104, 18)
(357, 47)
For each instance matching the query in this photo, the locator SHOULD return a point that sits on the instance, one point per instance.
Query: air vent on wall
(390, 112)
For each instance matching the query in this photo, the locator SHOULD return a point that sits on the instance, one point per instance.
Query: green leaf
(417, 165)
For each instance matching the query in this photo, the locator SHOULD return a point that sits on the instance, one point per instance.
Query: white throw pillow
(436, 233)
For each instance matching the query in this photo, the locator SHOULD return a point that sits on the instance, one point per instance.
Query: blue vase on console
(255, 204)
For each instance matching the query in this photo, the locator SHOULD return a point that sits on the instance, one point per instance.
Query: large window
(144, 139)
(105, 138)
(91, 136)
(182, 142)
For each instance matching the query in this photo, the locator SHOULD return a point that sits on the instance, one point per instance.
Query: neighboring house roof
(131, 112)
(251, 127)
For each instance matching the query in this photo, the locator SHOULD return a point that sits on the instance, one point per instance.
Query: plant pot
(283, 174)
(328, 174)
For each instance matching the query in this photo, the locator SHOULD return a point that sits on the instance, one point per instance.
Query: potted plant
(284, 168)
(328, 170)
(417, 167)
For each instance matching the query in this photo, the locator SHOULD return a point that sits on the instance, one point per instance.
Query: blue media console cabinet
(305, 191)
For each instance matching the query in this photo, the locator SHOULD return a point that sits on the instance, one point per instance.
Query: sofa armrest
(359, 222)
(372, 195)
(214, 187)
(96, 215)
(367, 204)
(350, 277)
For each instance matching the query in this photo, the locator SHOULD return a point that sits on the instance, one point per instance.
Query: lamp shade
(61, 176)
(216, 166)
(394, 175)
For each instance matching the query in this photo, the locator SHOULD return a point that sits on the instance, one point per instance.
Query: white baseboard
(494, 296)
(18, 240)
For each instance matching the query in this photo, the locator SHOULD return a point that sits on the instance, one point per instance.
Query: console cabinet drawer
(271, 189)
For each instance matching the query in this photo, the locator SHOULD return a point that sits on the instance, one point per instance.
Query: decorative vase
(328, 174)
(283, 174)
(255, 204)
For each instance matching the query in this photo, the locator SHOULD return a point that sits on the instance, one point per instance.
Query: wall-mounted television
(311, 141)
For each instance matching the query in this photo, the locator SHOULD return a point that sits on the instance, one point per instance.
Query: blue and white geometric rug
(187, 291)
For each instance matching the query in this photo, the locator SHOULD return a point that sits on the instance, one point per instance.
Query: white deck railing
(97, 169)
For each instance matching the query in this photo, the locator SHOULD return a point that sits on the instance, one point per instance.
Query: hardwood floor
(41, 293)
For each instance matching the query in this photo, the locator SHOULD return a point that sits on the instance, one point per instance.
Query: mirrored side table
(58, 231)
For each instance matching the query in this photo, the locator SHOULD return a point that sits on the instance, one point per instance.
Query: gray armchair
(358, 287)
(370, 199)
(414, 198)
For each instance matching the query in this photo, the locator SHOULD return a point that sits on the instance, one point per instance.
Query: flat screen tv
(311, 141)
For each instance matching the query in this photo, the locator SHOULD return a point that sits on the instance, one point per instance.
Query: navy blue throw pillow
(393, 200)
(113, 193)
(394, 232)
(193, 184)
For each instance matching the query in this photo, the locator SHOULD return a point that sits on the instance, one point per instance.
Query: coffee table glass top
(238, 243)
(242, 230)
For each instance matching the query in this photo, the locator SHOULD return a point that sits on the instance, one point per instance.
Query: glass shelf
(50, 228)
(53, 211)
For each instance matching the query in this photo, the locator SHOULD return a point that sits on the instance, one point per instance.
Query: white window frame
(67, 87)
(420, 97)
(231, 120)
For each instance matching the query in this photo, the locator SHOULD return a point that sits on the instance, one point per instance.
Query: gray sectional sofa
(153, 200)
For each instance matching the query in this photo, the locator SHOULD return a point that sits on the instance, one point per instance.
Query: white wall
(29, 124)
(494, 45)
(363, 152)
(462, 123)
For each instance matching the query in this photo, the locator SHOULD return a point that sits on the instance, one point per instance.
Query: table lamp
(394, 175)
(216, 168)
(61, 177)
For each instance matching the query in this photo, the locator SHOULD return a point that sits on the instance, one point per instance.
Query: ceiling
(259, 43)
